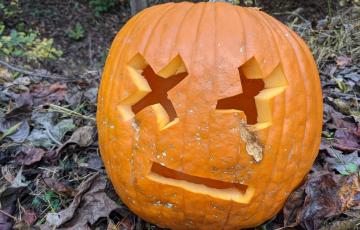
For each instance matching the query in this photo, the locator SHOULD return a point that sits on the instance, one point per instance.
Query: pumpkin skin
(200, 164)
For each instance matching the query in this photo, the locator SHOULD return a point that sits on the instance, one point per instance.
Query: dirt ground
(51, 171)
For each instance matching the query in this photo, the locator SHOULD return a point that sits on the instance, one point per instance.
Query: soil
(53, 18)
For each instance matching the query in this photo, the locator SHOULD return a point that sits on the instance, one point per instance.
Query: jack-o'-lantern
(209, 115)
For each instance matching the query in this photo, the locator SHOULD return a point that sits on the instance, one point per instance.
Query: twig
(293, 14)
(52, 137)
(60, 109)
(23, 71)
(8, 215)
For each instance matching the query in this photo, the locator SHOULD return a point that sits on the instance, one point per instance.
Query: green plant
(27, 45)
(53, 200)
(333, 37)
(76, 33)
(101, 6)
(9, 9)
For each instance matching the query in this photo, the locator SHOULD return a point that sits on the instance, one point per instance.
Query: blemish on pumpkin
(253, 146)
(136, 128)
(169, 205)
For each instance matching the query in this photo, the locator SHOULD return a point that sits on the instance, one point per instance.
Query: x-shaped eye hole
(159, 88)
(258, 92)
(143, 87)
(244, 101)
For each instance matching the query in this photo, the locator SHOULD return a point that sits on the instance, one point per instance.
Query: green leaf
(351, 168)
(36, 202)
(10, 130)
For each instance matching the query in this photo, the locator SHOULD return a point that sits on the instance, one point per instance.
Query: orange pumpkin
(209, 115)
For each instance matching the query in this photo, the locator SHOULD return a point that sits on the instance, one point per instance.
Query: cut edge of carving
(238, 193)
(175, 66)
(140, 88)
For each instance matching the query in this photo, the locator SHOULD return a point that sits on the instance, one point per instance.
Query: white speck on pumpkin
(157, 203)
(197, 136)
(169, 205)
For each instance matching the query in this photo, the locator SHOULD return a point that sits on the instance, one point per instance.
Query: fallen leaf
(327, 196)
(18, 181)
(89, 204)
(28, 218)
(8, 150)
(8, 198)
(343, 162)
(45, 94)
(292, 207)
(40, 138)
(347, 224)
(58, 186)
(6, 173)
(349, 192)
(15, 131)
(343, 61)
(346, 140)
(91, 94)
(321, 201)
(83, 136)
(94, 162)
(61, 128)
(29, 155)
(15, 123)
(6, 223)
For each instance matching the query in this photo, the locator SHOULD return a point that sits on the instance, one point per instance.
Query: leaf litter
(53, 176)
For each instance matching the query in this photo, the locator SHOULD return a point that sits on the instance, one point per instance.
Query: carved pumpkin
(209, 115)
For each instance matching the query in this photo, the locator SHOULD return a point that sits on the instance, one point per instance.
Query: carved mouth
(239, 193)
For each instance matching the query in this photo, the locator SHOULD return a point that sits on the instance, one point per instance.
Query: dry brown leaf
(29, 155)
(58, 186)
(89, 204)
(327, 195)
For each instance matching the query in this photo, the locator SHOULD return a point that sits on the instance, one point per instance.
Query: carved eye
(258, 92)
(146, 88)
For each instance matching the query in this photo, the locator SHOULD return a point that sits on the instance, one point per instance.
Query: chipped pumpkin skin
(213, 41)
